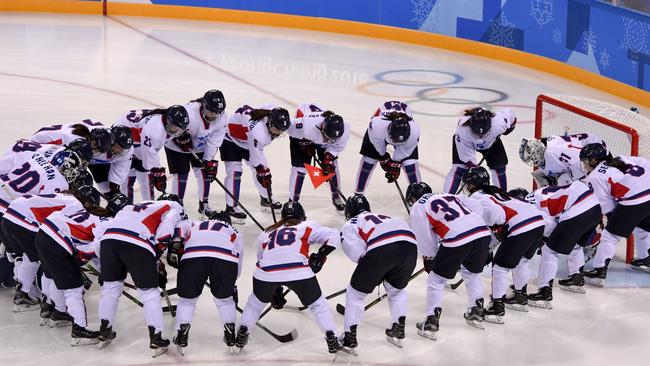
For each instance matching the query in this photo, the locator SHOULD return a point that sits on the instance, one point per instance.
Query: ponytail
(151, 112)
(616, 163)
(100, 211)
(81, 131)
(258, 114)
(496, 192)
(285, 222)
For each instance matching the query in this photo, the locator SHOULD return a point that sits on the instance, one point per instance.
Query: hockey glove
(86, 281)
(210, 167)
(183, 141)
(235, 295)
(162, 275)
(428, 264)
(500, 232)
(308, 148)
(158, 179)
(277, 299)
(392, 169)
(117, 202)
(113, 188)
(174, 252)
(318, 259)
(328, 164)
(263, 176)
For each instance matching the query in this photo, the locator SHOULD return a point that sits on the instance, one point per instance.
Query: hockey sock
(641, 242)
(520, 274)
(130, 183)
(58, 297)
(185, 311)
(547, 266)
(233, 181)
(499, 177)
(335, 181)
(153, 315)
(473, 286)
(366, 166)
(202, 183)
(606, 248)
(576, 259)
(45, 284)
(179, 184)
(227, 309)
(435, 292)
(252, 311)
(454, 178)
(110, 297)
(146, 189)
(295, 183)
(397, 301)
(412, 170)
(499, 281)
(354, 308)
(322, 314)
(27, 274)
(74, 301)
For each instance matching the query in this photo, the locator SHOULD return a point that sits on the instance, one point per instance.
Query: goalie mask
(68, 163)
(531, 152)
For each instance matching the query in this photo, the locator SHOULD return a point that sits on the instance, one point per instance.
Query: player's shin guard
(547, 266)
(202, 184)
(151, 305)
(322, 314)
(412, 170)
(252, 311)
(227, 309)
(185, 311)
(499, 281)
(521, 274)
(233, 181)
(606, 248)
(295, 183)
(366, 166)
(499, 178)
(435, 292)
(110, 296)
(335, 181)
(473, 286)
(74, 301)
(397, 301)
(454, 178)
(354, 308)
(179, 184)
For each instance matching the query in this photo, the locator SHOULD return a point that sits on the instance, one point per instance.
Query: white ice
(64, 68)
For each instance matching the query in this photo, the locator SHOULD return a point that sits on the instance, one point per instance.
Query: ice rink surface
(64, 68)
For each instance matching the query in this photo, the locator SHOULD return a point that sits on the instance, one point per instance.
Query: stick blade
(340, 309)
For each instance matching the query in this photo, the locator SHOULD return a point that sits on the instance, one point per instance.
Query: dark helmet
(89, 196)
(101, 138)
(82, 148)
(594, 151)
(293, 210)
(416, 190)
(222, 216)
(355, 205)
(480, 121)
(520, 193)
(68, 163)
(169, 197)
(214, 101)
(399, 129)
(279, 119)
(121, 136)
(117, 202)
(333, 127)
(84, 178)
(478, 177)
(176, 115)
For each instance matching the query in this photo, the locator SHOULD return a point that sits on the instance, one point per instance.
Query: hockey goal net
(625, 132)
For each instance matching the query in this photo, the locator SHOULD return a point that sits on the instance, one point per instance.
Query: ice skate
(83, 337)
(333, 345)
(496, 311)
(106, 334)
(266, 205)
(575, 283)
(596, 277)
(543, 297)
(23, 302)
(642, 265)
(242, 338)
(395, 334)
(46, 310)
(181, 338)
(349, 341)
(429, 328)
(475, 315)
(237, 216)
(157, 343)
(229, 336)
(59, 319)
(518, 301)
(338, 203)
(204, 210)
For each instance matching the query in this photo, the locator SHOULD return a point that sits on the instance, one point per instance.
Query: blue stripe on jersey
(16, 214)
(528, 221)
(132, 235)
(583, 196)
(638, 195)
(207, 248)
(4, 203)
(55, 229)
(282, 267)
(391, 234)
(467, 233)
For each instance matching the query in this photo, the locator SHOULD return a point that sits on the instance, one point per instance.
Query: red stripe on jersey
(304, 246)
(299, 114)
(365, 236)
(153, 221)
(81, 232)
(135, 133)
(40, 213)
(510, 213)
(618, 190)
(233, 237)
(377, 113)
(440, 228)
(238, 131)
(555, 206)
(55, 142)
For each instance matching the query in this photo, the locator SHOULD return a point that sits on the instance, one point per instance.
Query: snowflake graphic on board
(557, 36)
(589, 40)
(421, 10)
(541, 11)
(502, 32)
(603, 59)
(635, 37)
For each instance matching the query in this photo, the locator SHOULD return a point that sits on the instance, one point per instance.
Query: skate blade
(181, 350)
(645, 269)
(574, 289)
(59, 323)
(350, 351)
(237, 221)
(494, 319)
(428, 334)
(158, 352)
(541, 304)
(104, 344)
(44, 322)
(475, 323)
(231, 350)
(76, 342)
(395, 342)
(239, 350)
(517, 307)
(25, 308)
(598, 282)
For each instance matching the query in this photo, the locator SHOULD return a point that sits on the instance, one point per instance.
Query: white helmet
(532, 151)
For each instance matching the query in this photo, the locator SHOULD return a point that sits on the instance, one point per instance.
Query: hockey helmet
(416, 190)
(214, 101)
(68, 163)
(82, 149)
(591, 155)
(293, 210)
(83, 179)
(520, 193)
(89, 196)
(176, 120)
(100, 140)
(222, 216)
(332, 127)
(399, 129)
(480, 121)
(355, 205)
(278, 121)
(531, 152)
(476, 177)
(121, 136)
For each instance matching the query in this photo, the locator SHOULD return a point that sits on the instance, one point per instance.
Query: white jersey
(23, 150)
(213, 239)
(378, 132)
(35, 176)
(562, 203)
(467, 143)
(120, 164)
(562, 154)
(75, 232)
(134, 120)
(30, 211)
(252, 135)
(520, 216)
(153, 138)
(614, 187)
(206, 136)
(481, 204)
(283, 254)
(441, 219)
(145, 224)
(369, 231)
(62, 134)
(307, 126)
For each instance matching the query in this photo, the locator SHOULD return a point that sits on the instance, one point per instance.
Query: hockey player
(622, 187)
(557, 158)
(480, 130)
(95, 133)
(212, 250)
(204, 136)
(321, 134)
(284, 260)
(249, 131)
(23, 150)
(150, 130)
(392, 124)
(132, 243)
(385, 250)
(572, 214)
(520, 236)
(111, 169)
(449, 238)
(65, 242)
